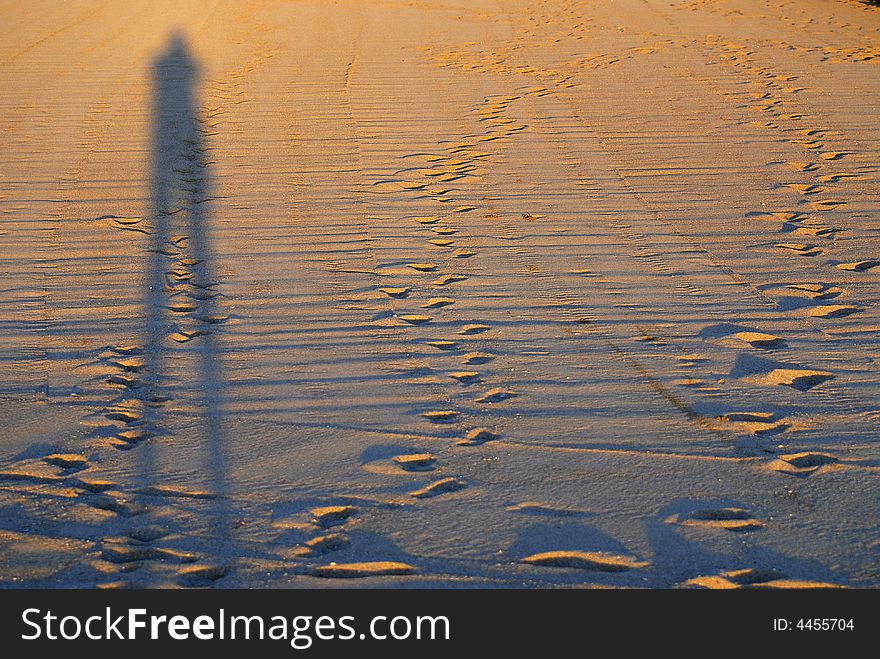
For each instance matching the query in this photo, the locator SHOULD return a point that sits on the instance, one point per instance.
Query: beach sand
(461, 293)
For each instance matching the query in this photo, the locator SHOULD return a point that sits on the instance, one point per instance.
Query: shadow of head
(176, 55)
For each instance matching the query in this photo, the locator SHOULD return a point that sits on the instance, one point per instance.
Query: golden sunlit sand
(432, 293)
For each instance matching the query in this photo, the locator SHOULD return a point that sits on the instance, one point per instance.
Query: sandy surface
(463, 293)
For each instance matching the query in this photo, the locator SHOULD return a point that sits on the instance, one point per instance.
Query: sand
(451, 294)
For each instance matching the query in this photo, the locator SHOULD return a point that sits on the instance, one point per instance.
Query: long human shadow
(181, 310)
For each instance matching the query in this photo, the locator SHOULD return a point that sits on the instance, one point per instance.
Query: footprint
(212, 320)
(802, 464)
(833, 155)
(323, 544)
(132, 364)
(331, 515)
(121, 380)
(441, 242)
(396, 292)
(35, 471)
(787, 216)
(759, 339)
(806, 189)
(436, 302)
(781, 216)
(442, 486)
(810, 288)
(465, 376)
(125, 221)
(826, 204)
(94, 485)
(601, 561)
(116, 551)
(444, 231)
(183, 335)
(463, 253)
(474, 328)
(538, 508)
(357, 570)
(752, 578)
(858, 266)
(495, 396)
(816, 291)
(477, 436)
(148, 533)
(128, 350)
(815, 231)
(443, 345)
(441, 416)
(388, 186)
(444, 280)
(126, 416)
(690, 361)
(67, 460)
(415, 461)
(477, 358)
(167, 491)
(745, 417)
(800, 379)
(832, 311)
(756, 423)
(800, 248)
(180, 274)
(803, 166)
(732, 579)
(836, 178)
(201, 575)
(204, 294)
(415, 319)
(116, 504)
(423, 267)
(731, 519)
(133, 436)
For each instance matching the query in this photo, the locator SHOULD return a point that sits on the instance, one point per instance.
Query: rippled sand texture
(448, 293)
